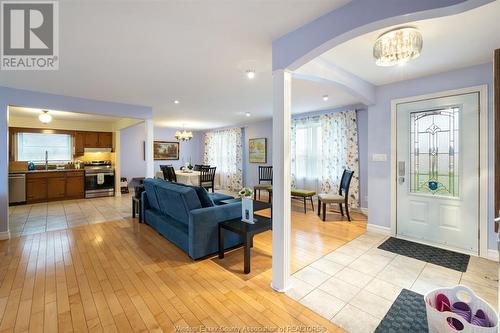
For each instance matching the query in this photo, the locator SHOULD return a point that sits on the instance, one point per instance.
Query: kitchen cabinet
(91, 139)
(56, 188)
(106, 139)
(54, 185)
(36, 190)
(79, 143)
(75, 185)
(98, 140)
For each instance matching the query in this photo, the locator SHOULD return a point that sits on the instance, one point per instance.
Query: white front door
(438, 171)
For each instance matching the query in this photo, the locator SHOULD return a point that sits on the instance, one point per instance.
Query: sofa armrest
(144, 205)
(203, 227)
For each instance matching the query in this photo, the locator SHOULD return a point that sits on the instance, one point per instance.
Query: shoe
(480, 319)
(462, 309)
(442, 303)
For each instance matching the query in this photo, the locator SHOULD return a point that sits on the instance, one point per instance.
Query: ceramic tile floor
(41, 217)
(355, 285)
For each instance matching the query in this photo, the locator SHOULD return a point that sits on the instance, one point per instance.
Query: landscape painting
(257, 149)
(165, 150)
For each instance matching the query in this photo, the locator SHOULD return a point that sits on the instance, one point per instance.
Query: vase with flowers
(246, 194)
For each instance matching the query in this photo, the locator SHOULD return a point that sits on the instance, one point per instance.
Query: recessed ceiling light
(45, 117)
(250, 74)
(248, 114)
(176, 101)
(325, 97)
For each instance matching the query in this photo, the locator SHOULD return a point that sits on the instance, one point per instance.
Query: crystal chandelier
(183, 135)
(397, 47)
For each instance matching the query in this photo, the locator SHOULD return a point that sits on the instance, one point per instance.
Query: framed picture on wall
(257, 150)
(165, 150)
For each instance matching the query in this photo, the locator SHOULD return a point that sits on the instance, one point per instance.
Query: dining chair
(164, 170)
(207, 178)
(198, 167)
(341, 198)
(265, 180)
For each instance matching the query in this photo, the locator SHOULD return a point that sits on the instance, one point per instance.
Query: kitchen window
(32, 147)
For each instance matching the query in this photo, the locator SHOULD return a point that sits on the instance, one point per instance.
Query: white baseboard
(492, 255)
(378, 229)
(4, 235)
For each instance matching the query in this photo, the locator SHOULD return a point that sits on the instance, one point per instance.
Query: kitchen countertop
(39, 171)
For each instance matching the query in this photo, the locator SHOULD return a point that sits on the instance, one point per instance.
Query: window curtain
(223, 150)
(322, 147)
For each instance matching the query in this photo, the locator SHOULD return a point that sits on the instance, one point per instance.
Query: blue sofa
(188, 216)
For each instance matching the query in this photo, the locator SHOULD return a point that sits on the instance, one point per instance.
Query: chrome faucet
(46, 160)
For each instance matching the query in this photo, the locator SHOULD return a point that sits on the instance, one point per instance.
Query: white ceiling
(152, 52)
(450, 43)
(16, 111)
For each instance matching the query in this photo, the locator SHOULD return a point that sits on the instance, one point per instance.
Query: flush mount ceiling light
(325, 97)
(176, 101)
(250, 74)
(183, 135)
(45, 117)
(397, 47)
(247, 114)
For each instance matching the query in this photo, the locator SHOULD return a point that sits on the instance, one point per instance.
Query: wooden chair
(341, 198)
(168, 173)
(265, 180)
(207, 178)
(198, 167)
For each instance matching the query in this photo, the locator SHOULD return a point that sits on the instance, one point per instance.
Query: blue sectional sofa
(188, 216)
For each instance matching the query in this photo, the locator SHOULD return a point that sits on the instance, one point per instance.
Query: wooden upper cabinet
(91, 139)
(106, 139)
(79, 143)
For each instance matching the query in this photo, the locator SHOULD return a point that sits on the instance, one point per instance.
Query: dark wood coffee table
(246, 231)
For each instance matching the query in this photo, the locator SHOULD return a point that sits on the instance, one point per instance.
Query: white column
(282, 89)
(150, 167)
(118, 173)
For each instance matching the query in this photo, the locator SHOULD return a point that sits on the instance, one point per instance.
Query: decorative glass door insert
(434, 152)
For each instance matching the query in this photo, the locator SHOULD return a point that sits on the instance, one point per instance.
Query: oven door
(99, 183)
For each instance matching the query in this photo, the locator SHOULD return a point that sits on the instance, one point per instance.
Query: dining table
(188, 177)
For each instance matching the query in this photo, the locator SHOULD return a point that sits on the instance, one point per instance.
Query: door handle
(401, 172)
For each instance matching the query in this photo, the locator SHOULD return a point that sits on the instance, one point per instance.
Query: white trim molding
(379, 229)
(4, 235)
(483, 160)
(493, 255)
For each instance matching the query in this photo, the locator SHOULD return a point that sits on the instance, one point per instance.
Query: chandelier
(183, 135)
(398, 46)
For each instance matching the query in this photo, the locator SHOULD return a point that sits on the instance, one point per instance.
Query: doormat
(433, 255)
(407, 314)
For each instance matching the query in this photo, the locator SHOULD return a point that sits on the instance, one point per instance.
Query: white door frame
(483, 160)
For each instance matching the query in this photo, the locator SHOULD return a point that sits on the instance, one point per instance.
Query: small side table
(136, 207)
(246, 231)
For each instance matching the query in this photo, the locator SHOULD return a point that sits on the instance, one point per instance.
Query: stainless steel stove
(99, 179)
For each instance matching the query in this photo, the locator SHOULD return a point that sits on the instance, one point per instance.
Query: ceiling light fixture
(183, 135)
(398, 46)
(325, 97)
(176, 101)
(250, 74)
(45, 117)
(248, 114)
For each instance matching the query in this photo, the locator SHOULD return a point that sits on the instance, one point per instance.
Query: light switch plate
(379, 157)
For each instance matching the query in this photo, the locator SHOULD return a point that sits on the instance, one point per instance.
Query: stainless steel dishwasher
(17, 188)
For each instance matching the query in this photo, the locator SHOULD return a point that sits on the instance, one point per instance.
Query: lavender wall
(264, 129)
(379, 134)
(132, 162)
(33, 99)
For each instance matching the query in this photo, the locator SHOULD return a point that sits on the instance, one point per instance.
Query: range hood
(98, 150)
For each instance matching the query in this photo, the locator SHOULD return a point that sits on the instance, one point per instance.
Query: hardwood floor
(123, 277)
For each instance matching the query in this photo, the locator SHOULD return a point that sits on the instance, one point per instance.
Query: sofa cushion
(205, 199)
(149, 186)
(176, 201)
(218, 197)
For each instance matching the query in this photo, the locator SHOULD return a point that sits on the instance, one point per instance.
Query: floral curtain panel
(322, 147)
(223, 150)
